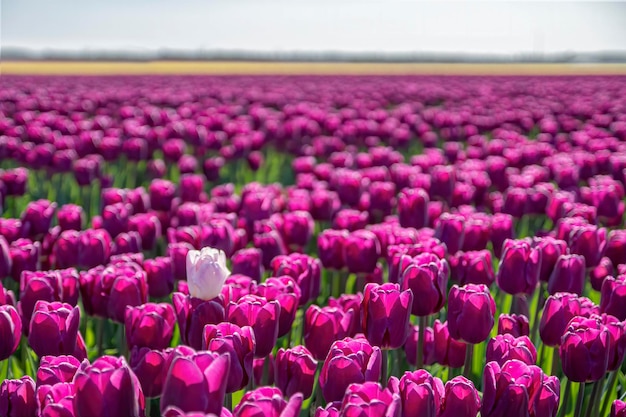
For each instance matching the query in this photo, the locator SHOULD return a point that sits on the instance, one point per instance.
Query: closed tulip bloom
(471, 312)
(54, 330)
(370, 399)
(150, 325)
(37, 217)
(519, 268)
(420, 393)
(248, 262)
(568, 275)
(513, 324)
(94, 248)
(130, 288)
(410, 346)
(24, 255)
(473, 267)
(518, 389)
(584, 349)
(237, 342)
(350, 219)
(11, 229)
(148, 227)
(151, 367)
(271, 244)
(70, 217)
(17, 397)
(10, 329)
(551, 249)
(505, 347)
(589, 241)
(613, 297)
(349, 361)
(450, 230)
(617, 341)
(600, 272)
(304, 269)
(347, 303)
(206, 272)
(115, 218)
(501, 230)
(260, 314)
(162, 194)
(616, 247)
(295, 371)
(558, 310)
(427, 278)
(298, 228)
(160, 276)
(107, 387)
(446, 350)
(192, 314)
(65, 249)
(413, 207)
(125, 243)
(385, 312)
(330, 245)
(323, 326)
(178, 253)
(55, 400)
(5, 258)
(618, 409)
(268, 401)
(191, 186)
(284, 290)
(196, 382)
(361, 250)
(35, 286)
(460, 399)
(16, 181)
(57, 369)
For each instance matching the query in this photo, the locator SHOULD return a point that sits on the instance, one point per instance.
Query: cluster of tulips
(324, 246)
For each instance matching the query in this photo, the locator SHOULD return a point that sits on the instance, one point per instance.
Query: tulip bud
(385, 314)
(271, 245)
(304, 269)
(37, 217)
(504, 347)
(56, 369)
(70, 217)
(471, 312)
(11, 330)
(513, 324)
(260, 314)
(501, 230)
(248, 262)
(568, 275)
(584, 349)
(94, 248)
(54, 330)
(298, 228)
(519, 268)
(413, 208)
(460, 399)
(115, 218)
(161, 194)
(17, 397)
(361, 250)
(558, 310)
(149, 325)
(613, 297)
(192, 314)
(148, 227)
(589, 241)
(427, 278)
(369, 398)
(206, 272)
(268, 401)
(618, 409)
(348, 361)
(473, 267)
(178, 254)
(449, 229)
(24, 256)
(330, 245)
(160, 276)
(295, 371)
(600, 272)
(107, 387)
(323, 326)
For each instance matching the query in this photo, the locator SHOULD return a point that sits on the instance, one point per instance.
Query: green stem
(148, 406)
(419, 362)
(565, 399)
(607, 395)
(579, 400)
(538, 307)
(266, 371)
(513, 304)
(4, 368)
(383, 370)
(228, 401)
(594, 404)
(469, 353)
(556, 359)
(100, 335)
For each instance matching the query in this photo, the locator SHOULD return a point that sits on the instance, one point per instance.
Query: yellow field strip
(300, 68)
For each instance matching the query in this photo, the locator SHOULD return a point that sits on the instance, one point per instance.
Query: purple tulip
(35, 286)
(349, 361)
(149, 325)
(24, 256)
(37, 217)
(248, 262)
(551, 249)
(268, 401)
(460, 399)
(192, 314)
(427, 278)
(516, 388)
(191, 186)
(260, 314)
(178, 254)
(115, 218)
(504, 347)
(286, 291)
(410, 346)
(107, 387)
(160, 276)
(161, 194)
(568, 275)
(613, 297)
(361, 250)
(558, 310)
(65, 249)
(413, 208)
(237, 342)
(15, 180)
(17, 397)
(94, 248)
(330, 245)
(420, 393)
(385, 312)
(148, 227)
(11, 330)
(598, 274)
(370, 399)
(584, 349)
(616, 247)
(323, 326)
(471, 312)
(54, 330)
(70, 217)
(297, 228)
(501, 230)
(57, 369)
(617, 341)
(513, 324)
(271, 245)
(446, 350)
(588, 241)
(519, 268)
(618, 409)
(450, 231)
(295, 371)
(304, 269)
(196, 382)
(472, 267)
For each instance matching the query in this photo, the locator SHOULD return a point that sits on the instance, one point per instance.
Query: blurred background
(314, 30)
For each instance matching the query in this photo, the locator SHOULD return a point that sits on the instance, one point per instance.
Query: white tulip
(206, 272)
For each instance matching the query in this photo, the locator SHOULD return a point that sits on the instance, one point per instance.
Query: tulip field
(393, 246)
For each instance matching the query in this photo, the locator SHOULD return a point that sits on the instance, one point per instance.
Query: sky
(493, 27)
